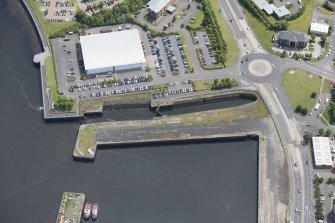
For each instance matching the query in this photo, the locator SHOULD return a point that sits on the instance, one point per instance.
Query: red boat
(87, 210)
(95, 210)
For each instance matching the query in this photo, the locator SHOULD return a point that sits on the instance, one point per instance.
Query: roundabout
(258, 67)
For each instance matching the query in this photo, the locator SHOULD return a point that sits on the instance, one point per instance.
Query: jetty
(71, 207)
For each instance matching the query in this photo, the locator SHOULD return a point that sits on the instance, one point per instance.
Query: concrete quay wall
(40, 59)
(209, 96)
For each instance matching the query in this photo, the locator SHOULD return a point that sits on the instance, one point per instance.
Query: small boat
(87, 210)
(95, 210)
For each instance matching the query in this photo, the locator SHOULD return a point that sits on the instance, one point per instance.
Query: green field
(302, 23)
(50, 28)
(232, 50)
(299, 86)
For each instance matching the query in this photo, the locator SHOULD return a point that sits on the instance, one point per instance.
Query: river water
(187, 183)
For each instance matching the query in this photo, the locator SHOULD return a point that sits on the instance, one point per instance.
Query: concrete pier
(71, 207)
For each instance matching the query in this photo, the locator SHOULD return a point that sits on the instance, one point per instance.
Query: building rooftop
(281, 11)
(112, 49)
(293, 36)
(171, 9)
(157, 5)
(321, 149)
(318, 27)
(271, 8)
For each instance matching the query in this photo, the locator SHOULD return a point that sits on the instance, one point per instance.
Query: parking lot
(169, 54)
(206, 54)
(58, 11)
(180, 87)
(66, 60)
(94, 6)
(106, 87)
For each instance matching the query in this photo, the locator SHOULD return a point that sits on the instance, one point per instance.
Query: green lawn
(187, 52)
(264, 35)
(51, 27)
(299, 86)
(198, 21)
(302, 23)
(202, 85)
(232, 50)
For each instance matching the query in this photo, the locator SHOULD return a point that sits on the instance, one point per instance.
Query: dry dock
(216, 123)
(71, 207)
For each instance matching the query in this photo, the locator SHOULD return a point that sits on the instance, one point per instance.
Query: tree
(313, 37)
(308, 136)
(304, 111)
(321, 132)
(283, 54)
(323, 38)
(313, 95)
(328, 133)
(298, 109)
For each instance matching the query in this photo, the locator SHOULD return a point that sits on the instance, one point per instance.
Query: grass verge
(90, 106)
(232, 50)
(198, 21)
(264, 35)
(187, 52)
(326, 115)
(202, 85)
(299, 86)
(326, 11)
(326, 86)
(51, 77)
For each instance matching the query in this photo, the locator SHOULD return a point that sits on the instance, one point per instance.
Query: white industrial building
(321, 150)
(319, 29)
(112, 52)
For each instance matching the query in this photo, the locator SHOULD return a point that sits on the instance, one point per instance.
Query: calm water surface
(193, 183)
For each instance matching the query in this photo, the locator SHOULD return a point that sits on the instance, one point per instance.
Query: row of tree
(317, 181)
(63, 103)
(214, 32)
(224, 83)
